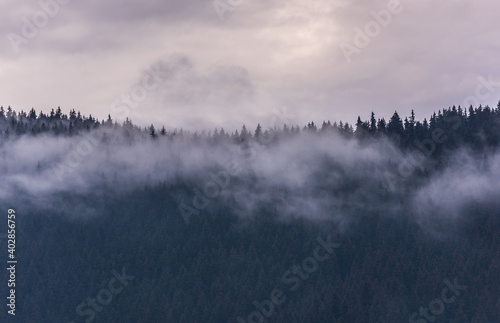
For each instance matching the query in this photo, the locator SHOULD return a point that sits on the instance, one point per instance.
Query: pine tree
(258, 132)
(373, 124)
(395, 126)
(32, 114)
(381, 126)
(152, 132)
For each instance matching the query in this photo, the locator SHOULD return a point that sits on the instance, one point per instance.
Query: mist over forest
(211, 223)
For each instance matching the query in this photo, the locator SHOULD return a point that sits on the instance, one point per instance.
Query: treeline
(449, 128)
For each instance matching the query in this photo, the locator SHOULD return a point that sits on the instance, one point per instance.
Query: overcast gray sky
(204, 64)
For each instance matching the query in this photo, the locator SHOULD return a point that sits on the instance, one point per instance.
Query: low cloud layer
(469, 182)
(312, 176)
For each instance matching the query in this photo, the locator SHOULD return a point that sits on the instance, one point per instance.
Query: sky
(201, 64)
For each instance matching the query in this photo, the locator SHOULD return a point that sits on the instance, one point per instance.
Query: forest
(376, 220)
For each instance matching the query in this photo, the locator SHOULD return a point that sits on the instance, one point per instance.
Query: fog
(316, 176)
(467, 187)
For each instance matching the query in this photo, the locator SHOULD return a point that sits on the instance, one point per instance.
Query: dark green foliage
(215, 267)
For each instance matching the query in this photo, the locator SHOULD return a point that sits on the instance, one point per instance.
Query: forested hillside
(369, 221)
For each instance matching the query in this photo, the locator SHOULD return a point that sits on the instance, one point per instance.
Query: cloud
(314, 177)
(265, 55)
(469, 181)
(190, 91)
